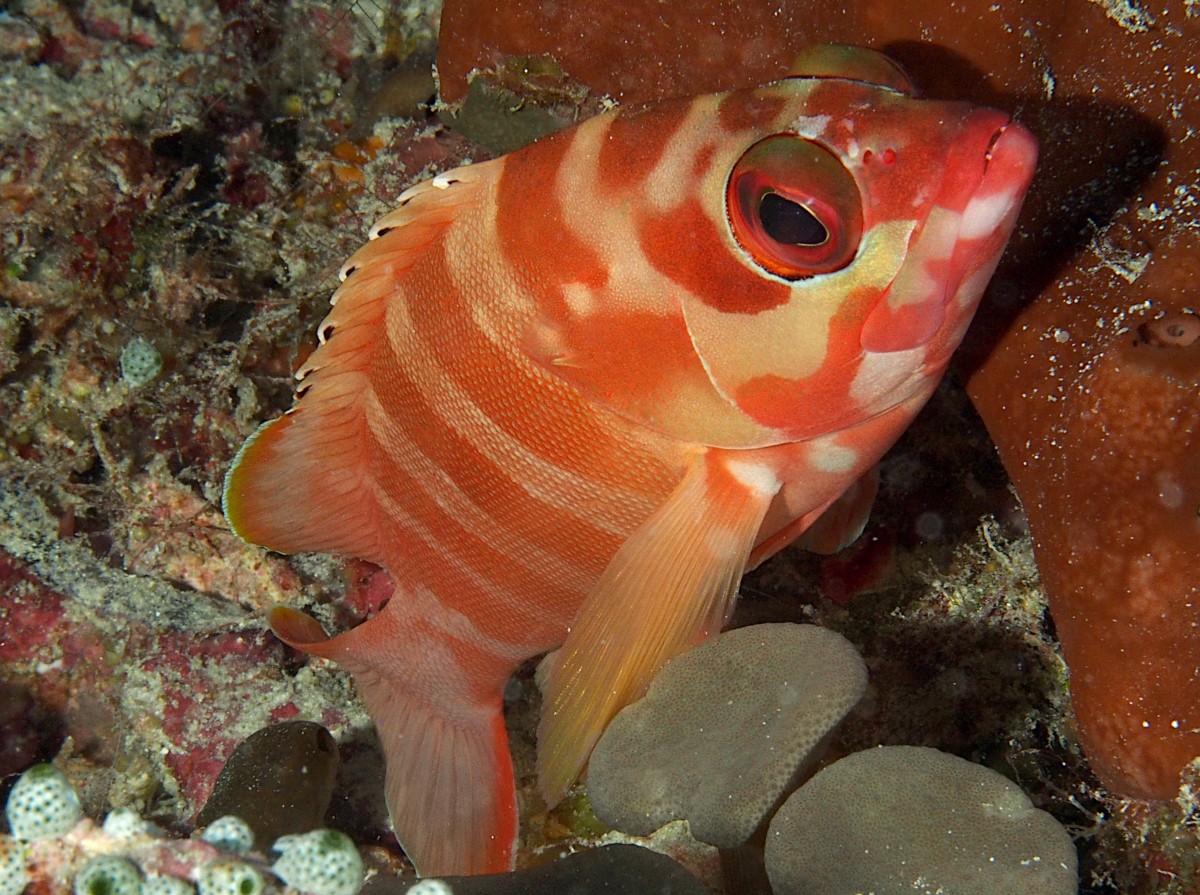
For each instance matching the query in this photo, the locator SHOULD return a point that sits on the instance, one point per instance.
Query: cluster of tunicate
(322, 862)
(42, 804)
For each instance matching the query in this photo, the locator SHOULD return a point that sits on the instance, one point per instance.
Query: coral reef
(194, 174)
(175, 194)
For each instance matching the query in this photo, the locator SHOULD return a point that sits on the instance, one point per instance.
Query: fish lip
(1012, 148)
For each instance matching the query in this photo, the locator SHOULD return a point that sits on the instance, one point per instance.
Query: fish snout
(987, 170)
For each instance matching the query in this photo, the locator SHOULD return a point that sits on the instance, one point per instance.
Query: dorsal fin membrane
(852, 63)
(303, 481)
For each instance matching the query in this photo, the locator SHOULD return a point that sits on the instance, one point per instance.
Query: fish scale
(568, 396)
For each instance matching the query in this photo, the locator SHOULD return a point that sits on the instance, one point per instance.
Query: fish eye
(790, 223)
(794, 207)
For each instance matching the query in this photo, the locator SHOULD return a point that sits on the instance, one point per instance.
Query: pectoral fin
(828, 528)
(670, 584)
(840, 525)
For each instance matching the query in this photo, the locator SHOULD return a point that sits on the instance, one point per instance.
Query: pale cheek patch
(826, 455)
(882, 375)
(983, 214)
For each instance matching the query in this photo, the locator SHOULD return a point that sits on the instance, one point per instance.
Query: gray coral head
(724, 731)
(911, 819)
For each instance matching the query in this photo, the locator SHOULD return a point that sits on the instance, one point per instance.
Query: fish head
(868, 223)
(768, 265)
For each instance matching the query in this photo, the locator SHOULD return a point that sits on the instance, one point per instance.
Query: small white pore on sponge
(108, 875)
(43, 804)
(323, 862)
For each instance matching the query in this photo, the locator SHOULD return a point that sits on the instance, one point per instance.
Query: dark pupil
(789, 222)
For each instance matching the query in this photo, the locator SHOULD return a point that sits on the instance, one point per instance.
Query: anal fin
(450, 789)
(669, 585)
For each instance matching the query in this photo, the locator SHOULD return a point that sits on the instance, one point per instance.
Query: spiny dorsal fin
(302, 482)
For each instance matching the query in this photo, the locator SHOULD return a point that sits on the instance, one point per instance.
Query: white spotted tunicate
(43, 804)
(323, 862)
(167, 885)
(125, 823)
(14, 869)
(229, 833)
(140, 362)
(229, 877)
(108, 875)
(431, 887)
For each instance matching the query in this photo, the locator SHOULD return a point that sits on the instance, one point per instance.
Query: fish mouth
(993, 158)
(988, 214)
(1009, 160)
(987, 170)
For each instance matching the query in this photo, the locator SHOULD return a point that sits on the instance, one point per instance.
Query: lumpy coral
(724, 730)
(910, 819)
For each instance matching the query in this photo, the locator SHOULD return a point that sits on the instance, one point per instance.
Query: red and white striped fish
(568, 396)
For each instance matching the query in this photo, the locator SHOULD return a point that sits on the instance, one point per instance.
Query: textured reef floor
(189, 176)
